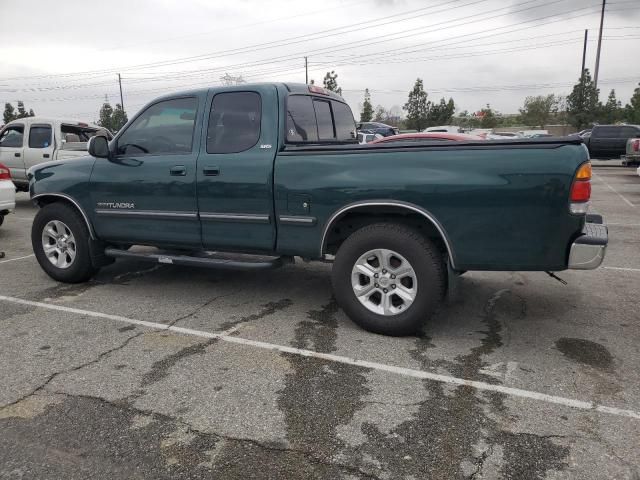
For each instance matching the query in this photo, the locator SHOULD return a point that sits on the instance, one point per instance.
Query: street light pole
(595, 77)
(121, 99)
(306, 71)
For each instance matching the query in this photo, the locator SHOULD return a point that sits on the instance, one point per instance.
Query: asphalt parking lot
(153, 371)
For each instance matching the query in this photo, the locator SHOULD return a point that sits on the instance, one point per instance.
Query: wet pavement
(273, 381)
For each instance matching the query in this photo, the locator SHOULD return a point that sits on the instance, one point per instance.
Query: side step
(228, 261)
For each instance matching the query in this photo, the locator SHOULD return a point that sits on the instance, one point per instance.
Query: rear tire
(70, 260)
(407, 300)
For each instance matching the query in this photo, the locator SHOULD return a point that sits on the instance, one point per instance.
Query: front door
(11, 151)
(146, 192)
(39, 144)
(235, 167)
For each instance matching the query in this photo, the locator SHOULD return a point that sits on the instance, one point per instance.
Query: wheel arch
(393, 209)
(47, 198)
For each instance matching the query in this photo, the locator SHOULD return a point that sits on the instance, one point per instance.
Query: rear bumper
(588, 250)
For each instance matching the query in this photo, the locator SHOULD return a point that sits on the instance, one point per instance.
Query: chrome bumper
(588, 251)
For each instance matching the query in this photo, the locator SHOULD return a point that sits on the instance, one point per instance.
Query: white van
(32, 140)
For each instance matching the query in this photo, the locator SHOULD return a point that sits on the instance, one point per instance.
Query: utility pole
(121, 99)
(584, 52)
(595, 77)
(306, 71)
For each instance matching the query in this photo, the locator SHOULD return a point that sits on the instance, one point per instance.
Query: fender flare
(72, 201)
(389, 203)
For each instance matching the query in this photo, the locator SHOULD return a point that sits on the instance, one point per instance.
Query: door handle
(211, 171)
(16, 154)
(45, 155)
(178, 171)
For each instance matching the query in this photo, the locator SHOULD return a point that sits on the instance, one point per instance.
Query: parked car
(367, 137)
(7, 193)
(435, 136)
(632, 155)
(610, 141)
(531, 133)
(214, 170)
(29, 141)
(377, 127)
(442, 129)
(502, 135)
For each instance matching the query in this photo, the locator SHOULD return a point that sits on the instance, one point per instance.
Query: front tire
(60, 241)
(388, 278)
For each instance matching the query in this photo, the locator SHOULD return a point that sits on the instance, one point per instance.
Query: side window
(301, 119)
(163, 128)
(12, 136)
(606, 132)
(234, 122)
(628, 132)
(40, 136)
(345, 125)
(324, 119)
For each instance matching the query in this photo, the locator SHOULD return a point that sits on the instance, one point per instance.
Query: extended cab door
(235, 169)
(39, 147)
(146, 192)
(11, 150)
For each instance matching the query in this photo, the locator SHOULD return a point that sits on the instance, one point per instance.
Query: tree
(489, 117)
(118, 118)
(9, 113)
(106, 116)
(612, 110)
(583, 103)
(330, 82)
(417, 107)
(367, 109)
(22, 112)
(632, 109)
(441, 113)
(538, 110)
(381, 114)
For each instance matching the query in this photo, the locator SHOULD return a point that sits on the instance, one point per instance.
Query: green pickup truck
(252, 176)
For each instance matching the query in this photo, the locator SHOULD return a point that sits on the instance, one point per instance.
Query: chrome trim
(297, 220)
(583, 256)
(235, 217)
(145, 213)
(76, 204)
(387, 203)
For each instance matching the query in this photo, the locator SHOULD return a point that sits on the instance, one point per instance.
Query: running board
(218, 260)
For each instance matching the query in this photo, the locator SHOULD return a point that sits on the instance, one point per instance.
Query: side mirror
(98, 147)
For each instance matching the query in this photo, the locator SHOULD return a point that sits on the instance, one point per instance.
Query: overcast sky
(62, 57)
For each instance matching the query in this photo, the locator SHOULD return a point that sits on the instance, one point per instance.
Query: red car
(417, 137)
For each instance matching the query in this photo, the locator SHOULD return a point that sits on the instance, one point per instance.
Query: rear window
(345, 126)
(325, 120)
(301, 119)
(313, 119)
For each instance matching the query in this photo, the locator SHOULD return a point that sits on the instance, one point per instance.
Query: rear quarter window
(345, 125)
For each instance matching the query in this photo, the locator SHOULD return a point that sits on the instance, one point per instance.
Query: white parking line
(614, 191)
(18, 258)
(407, 372)
(623, 269)
(623, 224)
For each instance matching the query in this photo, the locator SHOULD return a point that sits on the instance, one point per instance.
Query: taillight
(581, 190)
(5, 174)
(317, 89)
